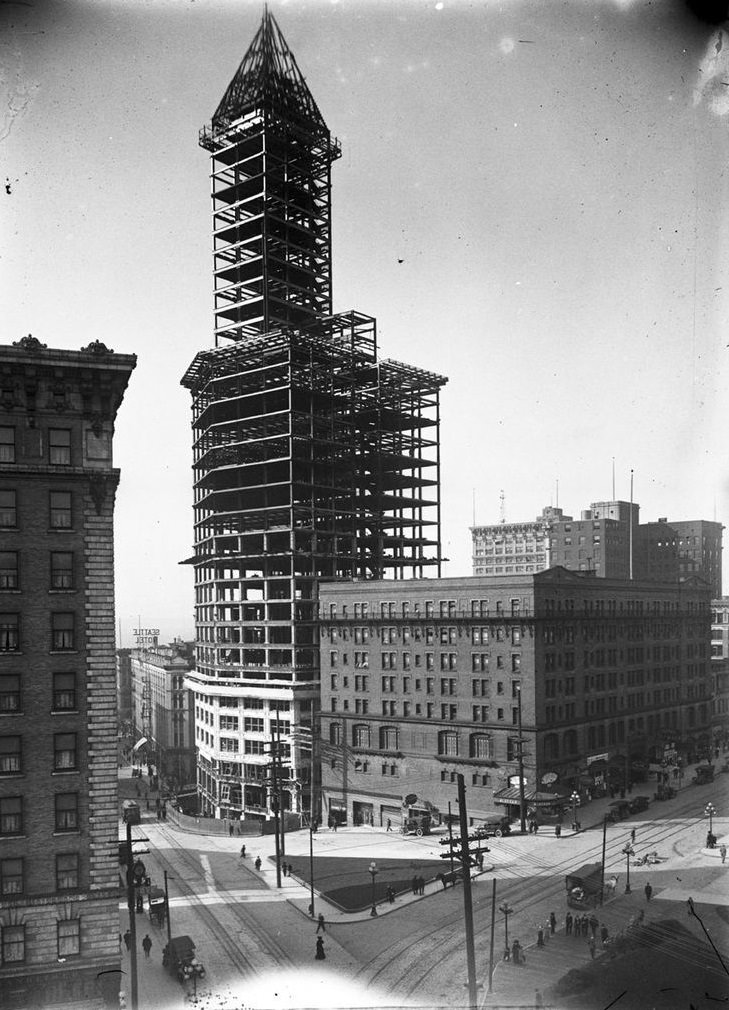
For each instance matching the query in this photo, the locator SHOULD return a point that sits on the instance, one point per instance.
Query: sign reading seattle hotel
(145, 637)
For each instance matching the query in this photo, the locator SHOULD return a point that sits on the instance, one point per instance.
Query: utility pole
(602, 861)
(274, 805)
(493, 928)
(167, 908)
(467, 903)
(450, 834)
(522, 801)
(280, 783)
(312, 814)
(132, 916)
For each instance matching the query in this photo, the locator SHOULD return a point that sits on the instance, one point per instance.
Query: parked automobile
(417, 824)
(495, 826)
(619, 810)
(704, 774)
(638, 803)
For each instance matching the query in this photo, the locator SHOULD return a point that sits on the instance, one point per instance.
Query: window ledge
(64, 711)
(62, 592)
(66, 833)
(63, 652)
(65, 771)
(14, 591)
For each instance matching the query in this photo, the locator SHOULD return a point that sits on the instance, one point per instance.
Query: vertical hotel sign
(146, 637)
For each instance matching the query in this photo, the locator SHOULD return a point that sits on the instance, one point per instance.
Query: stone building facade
(421, 681)
(59, 876)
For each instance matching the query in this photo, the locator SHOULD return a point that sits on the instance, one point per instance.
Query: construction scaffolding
(313, 460)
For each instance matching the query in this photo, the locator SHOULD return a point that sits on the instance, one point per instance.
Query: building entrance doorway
(362, 813)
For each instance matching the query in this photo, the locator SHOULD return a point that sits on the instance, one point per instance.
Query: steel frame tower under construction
(313, 459)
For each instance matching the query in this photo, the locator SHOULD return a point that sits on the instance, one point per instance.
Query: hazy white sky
(551, 175)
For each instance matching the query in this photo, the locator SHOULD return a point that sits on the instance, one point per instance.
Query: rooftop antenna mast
(502, 507)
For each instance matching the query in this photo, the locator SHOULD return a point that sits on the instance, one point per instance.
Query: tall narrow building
(313, 458)
(59, 872)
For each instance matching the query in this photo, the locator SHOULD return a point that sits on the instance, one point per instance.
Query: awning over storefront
(510, 796)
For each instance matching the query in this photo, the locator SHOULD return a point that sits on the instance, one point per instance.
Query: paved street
(257, 941)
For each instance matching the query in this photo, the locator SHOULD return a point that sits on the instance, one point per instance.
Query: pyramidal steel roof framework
(269, 78)
(314, 459)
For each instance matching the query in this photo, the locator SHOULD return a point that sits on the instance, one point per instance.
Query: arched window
(592, 737)
(360, 735)
(569, 741)
(335, 733)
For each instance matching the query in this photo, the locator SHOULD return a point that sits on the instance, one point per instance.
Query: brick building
(421, 681)
(699, 545)
(59, 874)
(162, 711)
(720, 671)
(124, 689)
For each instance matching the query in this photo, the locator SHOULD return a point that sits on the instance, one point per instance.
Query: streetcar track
(527, 889)
(237, 957)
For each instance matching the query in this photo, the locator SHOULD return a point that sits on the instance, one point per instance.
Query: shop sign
(596, 757)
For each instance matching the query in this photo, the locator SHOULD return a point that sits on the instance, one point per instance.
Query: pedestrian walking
(128, 939)
(648, 892)
(552, 922)
(390, 894)
(242, 852)
(558, 830)
(285, 868)
(230, 828)
(540, 936)
(320, 923)
(594, 923)
(568, 924)
(389, 824)
(603, 933)
(632, 837)
(257, 863)
(536, 827)
(479, 858)
(147, 945)
(516, 952)
(585, 925)
(591, 945)
(414, 885)
(422, 885)
(722, 852)
(291, 870)
(320, 955)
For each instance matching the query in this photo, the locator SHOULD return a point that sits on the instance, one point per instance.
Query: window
(10, 755)
(7, 444)
(62, 632)
(11, 815)
(480, 746)
(335, 733)
(61, 570)
(8, 569)
(13, 944)
(8, 509)
(60, 510)
(361, 735)
(64, 692)
(252, 724)
(69, 937)
(389, 738)
(11, 876)
(9, 693)
(448, 743)
(67, 811)
(59, 446)
(64, 752)
(9, 632)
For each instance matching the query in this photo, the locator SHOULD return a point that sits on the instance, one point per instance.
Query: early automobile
(495, 826)
(131, 814)
(638, 804)
(178, 957)
(416, 824)
(157, 906)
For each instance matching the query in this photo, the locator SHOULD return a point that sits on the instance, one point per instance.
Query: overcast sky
(532, 200)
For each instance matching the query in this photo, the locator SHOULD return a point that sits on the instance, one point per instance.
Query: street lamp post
(575, 800)
(710, 810)
(506, 909)
(628, 851)
(373, 874)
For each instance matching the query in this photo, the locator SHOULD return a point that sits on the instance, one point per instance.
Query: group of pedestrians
(418, 885)
(581, 925)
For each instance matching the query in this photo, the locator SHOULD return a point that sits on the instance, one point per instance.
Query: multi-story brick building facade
(720, 671)
(421, 681)
(59, 874)
(162, 711)
(699, 543)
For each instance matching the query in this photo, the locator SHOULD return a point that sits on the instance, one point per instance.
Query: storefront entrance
(362, 813)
